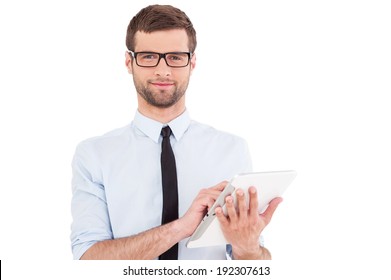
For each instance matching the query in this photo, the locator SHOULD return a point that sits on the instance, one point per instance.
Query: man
(117, 178)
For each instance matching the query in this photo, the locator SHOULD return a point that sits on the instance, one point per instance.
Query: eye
(176, 57)
(148, 56)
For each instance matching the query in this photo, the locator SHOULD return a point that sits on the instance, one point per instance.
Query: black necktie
(170, 189)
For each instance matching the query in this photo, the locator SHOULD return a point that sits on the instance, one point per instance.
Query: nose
(162, 69)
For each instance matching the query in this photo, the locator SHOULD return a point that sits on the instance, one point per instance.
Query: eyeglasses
(152, 59)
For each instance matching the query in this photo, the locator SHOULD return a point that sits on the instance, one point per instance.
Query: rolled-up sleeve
(91, 222)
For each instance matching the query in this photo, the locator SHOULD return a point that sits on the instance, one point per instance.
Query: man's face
(161, 86)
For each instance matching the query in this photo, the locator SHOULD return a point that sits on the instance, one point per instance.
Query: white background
(305, 82)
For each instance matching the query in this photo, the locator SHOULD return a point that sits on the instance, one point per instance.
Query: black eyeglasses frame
(161, 55)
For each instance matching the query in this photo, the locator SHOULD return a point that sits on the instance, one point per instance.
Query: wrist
(180, 227)
(258, 253)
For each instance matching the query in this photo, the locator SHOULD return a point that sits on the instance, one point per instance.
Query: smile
(162, 85)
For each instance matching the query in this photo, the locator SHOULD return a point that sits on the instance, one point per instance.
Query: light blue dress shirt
(116, 185)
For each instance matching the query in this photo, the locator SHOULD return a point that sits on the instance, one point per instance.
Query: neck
(162, 115)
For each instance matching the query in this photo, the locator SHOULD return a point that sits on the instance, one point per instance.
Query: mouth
(162, 85)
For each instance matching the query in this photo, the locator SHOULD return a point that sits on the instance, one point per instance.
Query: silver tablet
(269, 185)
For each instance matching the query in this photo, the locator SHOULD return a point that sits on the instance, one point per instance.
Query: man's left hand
(243, 226)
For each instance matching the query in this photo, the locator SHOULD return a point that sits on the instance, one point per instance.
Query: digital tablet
(269, 185)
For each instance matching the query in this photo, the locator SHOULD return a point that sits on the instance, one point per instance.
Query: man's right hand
(199, 207)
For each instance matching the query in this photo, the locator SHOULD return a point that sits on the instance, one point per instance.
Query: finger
(242, 205)
(216, 190)
(221, 217)
(253, 201)
(268, 214)
(231, 211)
(220, 186)
(206, 198)
(211, 202)
(212, 192)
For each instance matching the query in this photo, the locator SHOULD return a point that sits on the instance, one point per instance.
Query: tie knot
(166, 131)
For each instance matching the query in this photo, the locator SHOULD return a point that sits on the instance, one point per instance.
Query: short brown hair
(160, 17)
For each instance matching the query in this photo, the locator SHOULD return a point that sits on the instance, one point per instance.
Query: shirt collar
(152, 128)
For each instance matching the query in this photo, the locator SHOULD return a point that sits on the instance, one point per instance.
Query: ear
(128, 62)
(193, 62)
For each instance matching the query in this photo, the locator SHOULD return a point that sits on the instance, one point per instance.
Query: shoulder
(226, 150)
(211, 139)
(210, 133)
(109, 139)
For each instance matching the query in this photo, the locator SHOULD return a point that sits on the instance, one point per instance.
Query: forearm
(146, 245)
